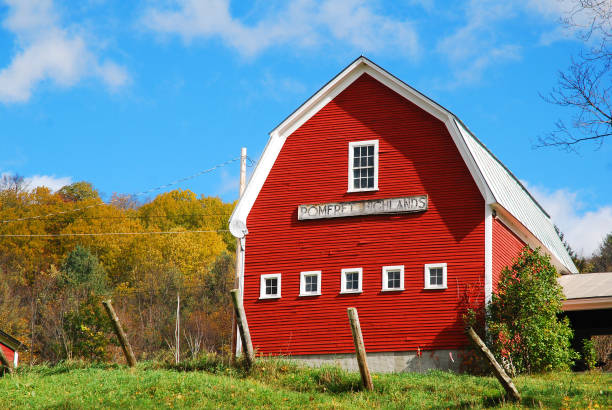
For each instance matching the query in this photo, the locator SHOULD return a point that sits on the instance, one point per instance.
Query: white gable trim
(279, 135)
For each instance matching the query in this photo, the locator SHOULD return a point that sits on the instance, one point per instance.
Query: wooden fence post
(499, 372)
(366, 378)
(243, 327)
(125, 344)
(4, 361)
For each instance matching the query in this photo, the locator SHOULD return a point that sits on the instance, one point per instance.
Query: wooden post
(245, 335)
(125, 345)
(366, 378)
(243, 158)
(499, 372)
(4, 361)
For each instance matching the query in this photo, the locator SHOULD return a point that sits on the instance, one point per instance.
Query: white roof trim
(462, 138)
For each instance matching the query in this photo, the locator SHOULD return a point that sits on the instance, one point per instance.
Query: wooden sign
(358, 208)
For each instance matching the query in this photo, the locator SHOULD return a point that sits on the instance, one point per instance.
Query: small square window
(270, 286)
(310, 283)
(393, 278)
(363, 166)
(435, 276)
(351, 280)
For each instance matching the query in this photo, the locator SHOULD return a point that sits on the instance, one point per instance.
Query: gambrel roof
(498, 186)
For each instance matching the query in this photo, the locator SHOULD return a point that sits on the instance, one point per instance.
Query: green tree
(81, 269)
(602, 260)
(525, 331)
(83, 284)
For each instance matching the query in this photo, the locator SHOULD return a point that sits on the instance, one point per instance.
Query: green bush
(589, 355)
(525, 332)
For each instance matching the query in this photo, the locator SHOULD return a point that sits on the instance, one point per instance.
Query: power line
(146, 216)
(178, 181)
(55, 235)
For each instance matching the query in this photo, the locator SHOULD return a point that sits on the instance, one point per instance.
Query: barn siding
(506, 247)
(417, 156)
(10, 355)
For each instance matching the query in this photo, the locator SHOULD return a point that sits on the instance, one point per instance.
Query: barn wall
(417, 156)
(10, 355)
(506, 247)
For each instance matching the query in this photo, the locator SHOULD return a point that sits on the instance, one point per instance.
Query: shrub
(589, 355)
(525, 332)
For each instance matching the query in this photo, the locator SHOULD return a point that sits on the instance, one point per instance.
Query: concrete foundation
(389, 362)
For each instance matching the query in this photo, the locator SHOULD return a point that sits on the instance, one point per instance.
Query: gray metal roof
(587, 285)
(515, 198)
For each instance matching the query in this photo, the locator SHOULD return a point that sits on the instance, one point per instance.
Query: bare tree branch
(585, 87)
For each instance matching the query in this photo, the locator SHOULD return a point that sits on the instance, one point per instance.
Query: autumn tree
(78, 191)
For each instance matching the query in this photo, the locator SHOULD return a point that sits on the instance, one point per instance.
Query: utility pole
(177, 331)
(243, 157)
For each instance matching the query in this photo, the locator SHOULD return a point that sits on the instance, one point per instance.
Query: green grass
(209, 383)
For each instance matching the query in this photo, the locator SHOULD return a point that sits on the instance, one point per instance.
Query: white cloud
(584, 230)
(474, 47)
(50, 181)
(49, 52)
(303, 23)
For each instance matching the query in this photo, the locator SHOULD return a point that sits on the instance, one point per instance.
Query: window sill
(349, 292)
(309, 294)
(393, 290)
(269, 297)
(436, 288)
(350, 191)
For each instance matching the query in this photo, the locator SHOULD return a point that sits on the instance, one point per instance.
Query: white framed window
(392, 278)
(270, 287)
(363, 166)
(310, 283)
(351, 280)
(435, 276)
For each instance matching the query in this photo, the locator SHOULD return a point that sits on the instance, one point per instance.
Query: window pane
(311, 283)
(371, 150)
(356, 152)
(370, 183)
(271, 286)
(356, 161)
(352, 281)
(393, 279)
(364, 151)
(436, 276)
(356, 173)
(356, 183)
(370, 172)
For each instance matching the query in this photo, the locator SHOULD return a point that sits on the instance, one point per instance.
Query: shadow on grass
(489, 401)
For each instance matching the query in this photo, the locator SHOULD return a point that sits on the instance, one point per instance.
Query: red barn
(10, 347)
(371, 195)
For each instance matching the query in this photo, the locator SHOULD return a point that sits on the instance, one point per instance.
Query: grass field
(211, 384)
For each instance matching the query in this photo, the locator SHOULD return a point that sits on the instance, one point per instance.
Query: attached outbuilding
(371, 195)
(588, 304)
(10, 347)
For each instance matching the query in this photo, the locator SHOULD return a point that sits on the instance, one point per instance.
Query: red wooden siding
(506, 247)
(10, 355)
(417, 156)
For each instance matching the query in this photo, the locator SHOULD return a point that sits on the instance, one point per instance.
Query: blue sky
(131, 95)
